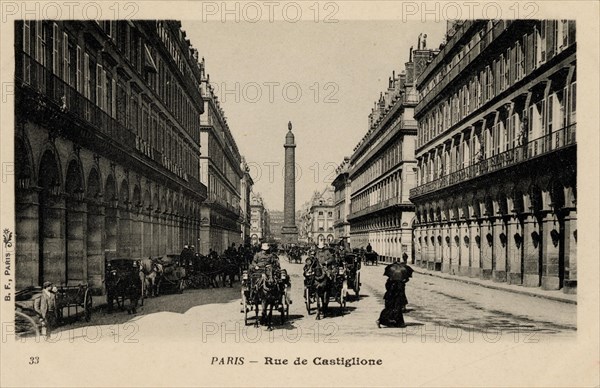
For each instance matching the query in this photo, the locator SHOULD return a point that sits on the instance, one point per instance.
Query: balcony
(557, 140)
(497, 29)
(50, 100)
(390, 202)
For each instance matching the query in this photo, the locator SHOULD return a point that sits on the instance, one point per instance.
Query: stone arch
(536, 202)
(110, 189)
(94, 185)
(124, 198)
(49, 171)
(74, 183)
(24, 170)
(136, 198)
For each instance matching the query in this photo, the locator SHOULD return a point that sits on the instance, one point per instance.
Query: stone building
(383, 166)
(245, 191)
(496, 193)
(341, 202)
(259, 220)
(107, 145)
(221, 166)
(320, 216)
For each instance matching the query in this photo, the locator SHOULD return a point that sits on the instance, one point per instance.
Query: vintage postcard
(291, 193)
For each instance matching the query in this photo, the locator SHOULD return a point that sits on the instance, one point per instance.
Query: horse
(150, 276)
(267, 293)
(321, 282)
(121, 285)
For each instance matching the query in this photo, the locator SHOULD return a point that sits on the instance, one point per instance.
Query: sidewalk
(557, 295)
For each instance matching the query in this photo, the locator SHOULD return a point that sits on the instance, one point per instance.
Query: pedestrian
(45, 306)
(398, 275)
(369, 248)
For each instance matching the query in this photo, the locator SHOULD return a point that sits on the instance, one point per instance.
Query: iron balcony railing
(498, 27)
(41, 81)
(378, 206)
(546, 144)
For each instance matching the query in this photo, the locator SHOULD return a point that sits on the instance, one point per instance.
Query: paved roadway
(440, 310)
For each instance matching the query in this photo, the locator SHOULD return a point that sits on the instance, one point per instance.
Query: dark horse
(320, 281)
(123, 282)
(267, 293)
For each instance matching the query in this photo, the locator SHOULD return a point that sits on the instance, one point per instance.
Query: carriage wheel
(307, 300)
(181, 286)
(87, 305)
(25, 326)
(357, 286)
(245, 311)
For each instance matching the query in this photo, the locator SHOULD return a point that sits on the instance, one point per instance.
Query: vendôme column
(289, 229)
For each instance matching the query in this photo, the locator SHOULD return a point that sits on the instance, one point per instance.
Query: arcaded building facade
(496, 195)
(221, 166)
(383, 166)
(107, 144)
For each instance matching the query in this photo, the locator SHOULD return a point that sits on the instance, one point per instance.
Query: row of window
(385, 162)
(547, 115)
(388, 188)
(56, 47)
(520, 59)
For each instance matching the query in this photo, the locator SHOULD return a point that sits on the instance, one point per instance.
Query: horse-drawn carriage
(323, 284)
(123, 281)
(371, 258)
(28, 321)
(294, 254)
(172, 275)
(265, 288)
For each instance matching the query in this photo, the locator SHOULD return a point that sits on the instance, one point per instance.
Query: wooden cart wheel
(87, 305)
(25, 326)
(307, 299)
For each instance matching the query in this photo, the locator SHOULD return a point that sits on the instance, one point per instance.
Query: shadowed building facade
(107, 141)
(496, 194)
(222, 173)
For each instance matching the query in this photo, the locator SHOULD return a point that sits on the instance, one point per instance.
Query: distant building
(320, 216)
(245, 208)
(222, 173)
(496, 191)
(259, 220)
(383, 166)
(341, 202)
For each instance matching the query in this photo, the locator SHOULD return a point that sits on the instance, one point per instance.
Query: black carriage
(123, 282)
(172, 278)
(371, 258)
(335, 278)
(353, 265)
(252, 300)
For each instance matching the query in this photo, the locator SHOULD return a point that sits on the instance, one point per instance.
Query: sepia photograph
(299, 194)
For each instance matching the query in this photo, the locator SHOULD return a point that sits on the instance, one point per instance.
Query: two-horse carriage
(28, 321)
(265, 288)
(124, 280)
(323, 284)
(295, 255)
(203, 271)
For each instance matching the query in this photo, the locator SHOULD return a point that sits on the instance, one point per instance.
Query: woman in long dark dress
(395, 296)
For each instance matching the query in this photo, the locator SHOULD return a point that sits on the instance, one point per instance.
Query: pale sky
(339, 69)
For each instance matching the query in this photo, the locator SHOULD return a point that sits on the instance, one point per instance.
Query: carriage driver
(263, 258)
(323, 254)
